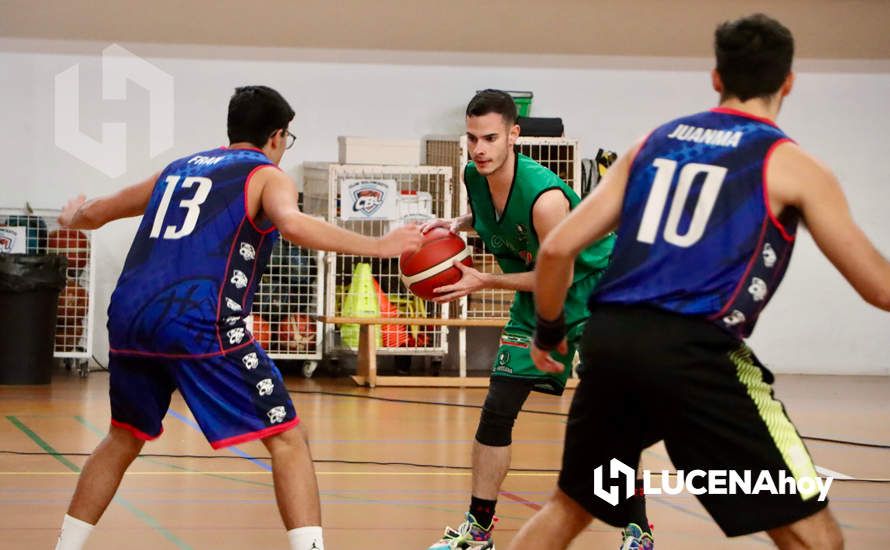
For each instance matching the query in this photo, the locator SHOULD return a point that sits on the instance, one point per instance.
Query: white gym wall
(839, 111)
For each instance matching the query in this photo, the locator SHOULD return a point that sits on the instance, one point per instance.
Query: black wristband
(549, 333)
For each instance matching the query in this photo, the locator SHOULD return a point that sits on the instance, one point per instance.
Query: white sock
(74, 534)
(305, 538)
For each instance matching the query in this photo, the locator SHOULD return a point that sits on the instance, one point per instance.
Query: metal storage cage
(558, 154)
(288, 301)
(423, 191)
(74, 324)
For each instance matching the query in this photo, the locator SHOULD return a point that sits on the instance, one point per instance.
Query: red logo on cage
(7, 240)
(368, 198)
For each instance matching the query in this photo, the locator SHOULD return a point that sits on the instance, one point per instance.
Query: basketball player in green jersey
(514, 203)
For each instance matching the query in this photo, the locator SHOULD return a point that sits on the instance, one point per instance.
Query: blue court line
(233, 450)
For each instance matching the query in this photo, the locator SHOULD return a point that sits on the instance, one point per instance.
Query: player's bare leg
(97, 485)
(296, 489)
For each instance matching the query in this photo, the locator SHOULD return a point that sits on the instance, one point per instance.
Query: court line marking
(233, 449)
(75, 469)
(831, 473)
(151, 460)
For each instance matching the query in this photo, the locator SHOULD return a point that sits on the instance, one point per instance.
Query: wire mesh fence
(43, 235)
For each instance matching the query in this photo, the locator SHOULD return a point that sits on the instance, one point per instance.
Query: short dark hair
(255, 112)
(493, 101)
(754, 56)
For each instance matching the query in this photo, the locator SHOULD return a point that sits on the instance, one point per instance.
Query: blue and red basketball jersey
(195, 262)
(697, 235)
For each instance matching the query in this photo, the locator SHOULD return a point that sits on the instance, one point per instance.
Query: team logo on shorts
(247, 251)
(265, 387)
(734, 318)
(527, 257)
(503, 358)
(769, 255)
(233, 305)
(251, 361)
(276, 414)
(239, 279)
(758, 289)
(235, 336)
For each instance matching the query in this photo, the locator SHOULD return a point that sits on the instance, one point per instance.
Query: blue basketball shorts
(235, 397)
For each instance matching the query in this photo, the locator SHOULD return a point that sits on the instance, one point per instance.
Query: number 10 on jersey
(192, 205)
(658, 194)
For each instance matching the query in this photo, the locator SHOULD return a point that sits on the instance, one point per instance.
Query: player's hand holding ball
(441, 269)
(451, 225)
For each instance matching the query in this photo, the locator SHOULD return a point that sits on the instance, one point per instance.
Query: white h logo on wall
(617, 469)
(109, 155)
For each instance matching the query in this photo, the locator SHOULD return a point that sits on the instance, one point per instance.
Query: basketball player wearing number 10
(708, 206)
(515, 202)
(176, 318)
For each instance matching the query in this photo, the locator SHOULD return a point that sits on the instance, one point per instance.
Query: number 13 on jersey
(658, 194)
(192, 205)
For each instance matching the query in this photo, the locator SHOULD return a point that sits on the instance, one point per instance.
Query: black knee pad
(502, 405)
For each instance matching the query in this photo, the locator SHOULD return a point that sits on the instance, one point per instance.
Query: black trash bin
(29, 296)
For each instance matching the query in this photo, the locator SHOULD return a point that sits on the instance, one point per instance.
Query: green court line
(95, 429)
(344, 495)
(144, 516)
(43, 444)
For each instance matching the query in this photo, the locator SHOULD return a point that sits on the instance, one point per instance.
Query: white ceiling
(825, 29)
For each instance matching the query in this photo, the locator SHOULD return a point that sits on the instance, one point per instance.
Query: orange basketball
(432, 265)
(73, 302)
(299, 333)
(262, 331)
(71, 243)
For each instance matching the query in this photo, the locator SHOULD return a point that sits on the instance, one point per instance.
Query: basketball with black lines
(432, 265)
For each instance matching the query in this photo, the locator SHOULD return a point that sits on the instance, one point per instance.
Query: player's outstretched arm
(79, 213)
(797, 179)
(593, 219)
(279, 202)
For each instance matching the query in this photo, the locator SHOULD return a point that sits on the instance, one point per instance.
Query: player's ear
(716, 82)
(788, 84)
(514, 134)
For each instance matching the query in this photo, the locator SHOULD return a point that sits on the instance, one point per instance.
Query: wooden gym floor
(226, 502)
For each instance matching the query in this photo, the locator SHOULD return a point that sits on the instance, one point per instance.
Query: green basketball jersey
(513, 241)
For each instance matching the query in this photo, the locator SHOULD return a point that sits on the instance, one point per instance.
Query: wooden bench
(366, 368)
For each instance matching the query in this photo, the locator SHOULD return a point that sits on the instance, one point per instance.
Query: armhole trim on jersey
(252, 274)
(222, 283)
(531, 210)
(246, 210)
(469, 200)
(766, 203)
(744, 277)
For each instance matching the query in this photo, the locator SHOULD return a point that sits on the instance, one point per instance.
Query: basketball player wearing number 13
(708, 206)
(176, 318)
